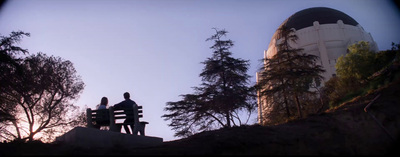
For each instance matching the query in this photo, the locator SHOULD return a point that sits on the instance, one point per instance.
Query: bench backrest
(127, 113)
(102, 117)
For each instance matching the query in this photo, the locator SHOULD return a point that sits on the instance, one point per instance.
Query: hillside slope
(345, 130)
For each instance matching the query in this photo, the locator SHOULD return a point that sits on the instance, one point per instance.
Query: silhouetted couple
(126, 105)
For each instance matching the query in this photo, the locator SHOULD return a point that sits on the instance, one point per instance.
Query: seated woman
(102, 113)
(103, 103)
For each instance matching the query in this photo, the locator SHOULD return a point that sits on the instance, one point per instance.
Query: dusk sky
(154, 48)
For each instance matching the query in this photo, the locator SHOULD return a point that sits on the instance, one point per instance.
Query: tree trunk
(30, 138)
(228, 120)
(298, 105)
(285, 101)
(17, 129)
(320, 99)
(322, 104)
(286, 106)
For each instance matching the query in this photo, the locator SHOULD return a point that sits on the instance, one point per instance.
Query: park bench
(108, 117)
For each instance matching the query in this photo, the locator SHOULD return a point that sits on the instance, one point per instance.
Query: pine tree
(289, 73)
(224, 91)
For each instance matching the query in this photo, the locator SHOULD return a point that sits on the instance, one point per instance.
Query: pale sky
(153, 48)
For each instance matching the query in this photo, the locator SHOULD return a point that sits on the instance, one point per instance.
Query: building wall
(327, 41)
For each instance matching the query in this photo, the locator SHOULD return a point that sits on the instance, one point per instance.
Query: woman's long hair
(104, 101)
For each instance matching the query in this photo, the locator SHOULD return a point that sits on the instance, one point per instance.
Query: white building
(323, 32)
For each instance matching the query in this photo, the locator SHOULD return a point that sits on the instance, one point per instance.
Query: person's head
(127, 95)
(104, 101)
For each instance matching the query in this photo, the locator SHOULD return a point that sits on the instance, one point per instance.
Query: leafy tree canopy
(358, 63)
(288, 74)
(38, 95)
(9, 65)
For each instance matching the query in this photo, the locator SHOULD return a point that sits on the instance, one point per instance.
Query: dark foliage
(223, 93)
(9, 68)
(347, 85)
(35, 93)
(288, 75)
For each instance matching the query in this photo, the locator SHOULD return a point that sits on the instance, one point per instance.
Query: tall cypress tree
(224, 91)
(289, 73)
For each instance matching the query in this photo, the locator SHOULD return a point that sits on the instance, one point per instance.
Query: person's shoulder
(133, 101)
(102, 107)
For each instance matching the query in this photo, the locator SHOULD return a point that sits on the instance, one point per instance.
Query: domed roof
(323, 15)
(305, 18)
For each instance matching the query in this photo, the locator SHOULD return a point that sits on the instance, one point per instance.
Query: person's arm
(118, 106)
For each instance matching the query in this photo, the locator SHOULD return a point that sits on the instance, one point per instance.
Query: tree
(41, 96)
(9, 52)
(9, 65)
(358, 63)
(223, 93)
(288, 72)
(356, 70)
(353, 70)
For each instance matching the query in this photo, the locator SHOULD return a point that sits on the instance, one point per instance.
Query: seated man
(128, 104)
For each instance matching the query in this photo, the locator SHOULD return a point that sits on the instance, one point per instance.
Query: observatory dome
(306, 18)
(323, 32)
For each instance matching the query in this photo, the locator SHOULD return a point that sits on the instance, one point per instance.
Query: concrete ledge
(90, 137)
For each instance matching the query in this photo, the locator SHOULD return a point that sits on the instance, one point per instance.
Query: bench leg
(142, 129)
(139, 128)
(126, 127)
(135, 129)
(115, 128)
(142, 132)
(89, 118)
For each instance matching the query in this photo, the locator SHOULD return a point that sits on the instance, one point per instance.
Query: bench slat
(118, 111)
(124, 117)
(143, 122)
